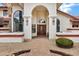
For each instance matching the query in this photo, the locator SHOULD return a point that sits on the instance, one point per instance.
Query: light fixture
(53, 22)
(26, 22)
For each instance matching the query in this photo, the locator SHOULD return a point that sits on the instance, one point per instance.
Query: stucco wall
(64, 22)
(16, 7)
(28, 7)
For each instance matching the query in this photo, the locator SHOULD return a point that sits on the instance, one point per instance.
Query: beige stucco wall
(28, 7)
(64, 22)
(16, 7)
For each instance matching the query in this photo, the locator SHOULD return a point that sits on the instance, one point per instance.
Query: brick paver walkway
(40, 47)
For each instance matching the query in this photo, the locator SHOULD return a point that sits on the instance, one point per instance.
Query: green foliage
(64, 42)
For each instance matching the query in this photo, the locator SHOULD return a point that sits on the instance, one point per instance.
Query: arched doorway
(40, 21)
(18, 21)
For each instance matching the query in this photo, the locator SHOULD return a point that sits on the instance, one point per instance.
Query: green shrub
(64, 42)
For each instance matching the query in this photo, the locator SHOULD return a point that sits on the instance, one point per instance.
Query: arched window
(18, 21)
(58, 25)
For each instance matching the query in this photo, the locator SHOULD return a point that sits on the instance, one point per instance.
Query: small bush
(64, 42)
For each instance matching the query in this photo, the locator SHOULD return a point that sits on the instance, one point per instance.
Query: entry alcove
(40, 17)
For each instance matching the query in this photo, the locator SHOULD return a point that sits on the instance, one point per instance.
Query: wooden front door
(41, 29)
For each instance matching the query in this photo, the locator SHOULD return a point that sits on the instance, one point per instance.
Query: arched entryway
(40, 21)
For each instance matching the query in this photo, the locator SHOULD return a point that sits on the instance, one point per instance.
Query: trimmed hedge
(64, 43)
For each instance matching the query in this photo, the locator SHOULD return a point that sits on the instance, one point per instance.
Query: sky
(70, 8)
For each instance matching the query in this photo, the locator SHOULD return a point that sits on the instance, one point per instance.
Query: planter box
(11, 37)
(74, 36)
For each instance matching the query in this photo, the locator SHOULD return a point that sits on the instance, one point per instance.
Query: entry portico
(35, 12)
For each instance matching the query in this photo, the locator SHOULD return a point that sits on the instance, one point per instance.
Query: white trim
(12, 33)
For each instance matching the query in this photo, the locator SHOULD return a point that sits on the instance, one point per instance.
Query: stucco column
(27, 27)
(12, 23)
(52, 27)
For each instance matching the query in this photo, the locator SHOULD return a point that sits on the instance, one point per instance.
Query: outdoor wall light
(53, 22)
(26, 22)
